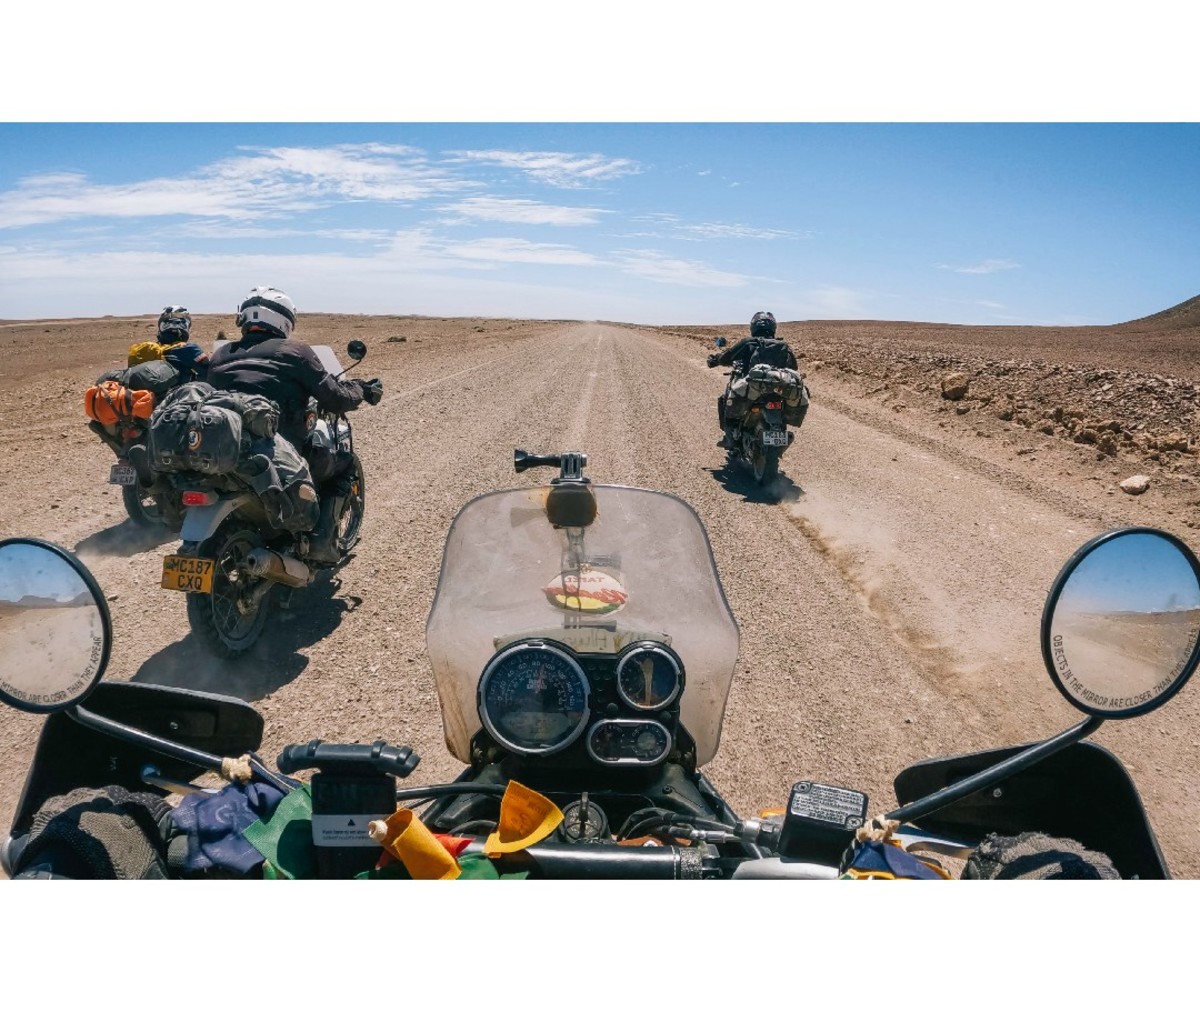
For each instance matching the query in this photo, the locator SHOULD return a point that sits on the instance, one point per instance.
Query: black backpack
(771, 352)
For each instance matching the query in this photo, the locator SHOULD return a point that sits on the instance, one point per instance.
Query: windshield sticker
(591, 591)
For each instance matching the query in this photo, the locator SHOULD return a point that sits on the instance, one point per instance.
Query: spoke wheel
(141, 507)
(226, 619)
(765, 462)
(350, 523)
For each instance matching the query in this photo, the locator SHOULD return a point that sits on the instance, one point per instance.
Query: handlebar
(609, 862)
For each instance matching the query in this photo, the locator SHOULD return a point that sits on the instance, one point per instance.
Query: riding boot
(322, 545)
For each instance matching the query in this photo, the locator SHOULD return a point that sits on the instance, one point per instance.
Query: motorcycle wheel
(765, 463)
(350, 523)
(142, 508)
(217, 618)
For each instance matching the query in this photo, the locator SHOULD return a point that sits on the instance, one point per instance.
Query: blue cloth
(214, 824)
(188, 360)
(880, 857)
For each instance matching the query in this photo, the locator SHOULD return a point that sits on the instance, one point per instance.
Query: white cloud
(267, 183)
(523, 211)
(563, 170)
(419, 248)
(677, 228)
(517, 250)
(658, 266)
(987, 266)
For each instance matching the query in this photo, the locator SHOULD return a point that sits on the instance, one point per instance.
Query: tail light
(130, 434)
(198, 498)
(774, 405)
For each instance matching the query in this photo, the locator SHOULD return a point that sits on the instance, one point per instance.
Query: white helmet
(267, 309)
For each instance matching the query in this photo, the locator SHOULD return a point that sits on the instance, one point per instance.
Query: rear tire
(765, 463)
(142, 508)
(216, 618)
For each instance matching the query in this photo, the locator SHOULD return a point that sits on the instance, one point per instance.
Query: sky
(1057, 224)
(1007, 164)
(1133, 573)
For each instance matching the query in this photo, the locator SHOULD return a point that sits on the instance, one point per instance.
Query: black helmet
(174, 325)
(762, 324)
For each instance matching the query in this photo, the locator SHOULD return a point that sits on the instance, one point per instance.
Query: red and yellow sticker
(591, 591)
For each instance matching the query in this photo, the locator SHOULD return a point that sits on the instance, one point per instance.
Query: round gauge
(533, 698)
(648, 677)
(629, 742)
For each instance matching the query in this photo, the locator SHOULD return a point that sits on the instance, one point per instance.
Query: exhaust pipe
(264, 563)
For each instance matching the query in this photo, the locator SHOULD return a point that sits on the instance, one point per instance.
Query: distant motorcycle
(755, 412)
(119, 406)
(244, 530)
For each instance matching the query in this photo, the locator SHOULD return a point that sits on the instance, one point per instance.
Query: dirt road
(888, 588)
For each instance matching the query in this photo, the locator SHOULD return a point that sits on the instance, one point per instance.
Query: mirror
(1121, 627)
(720, 342)
(357, 350)
(55, 631)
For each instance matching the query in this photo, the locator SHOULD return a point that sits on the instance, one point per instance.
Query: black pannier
(190, 432)
(217, 432)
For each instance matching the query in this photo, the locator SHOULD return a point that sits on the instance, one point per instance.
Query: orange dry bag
(108, 403)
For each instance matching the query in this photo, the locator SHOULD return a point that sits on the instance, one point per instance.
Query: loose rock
(955, 386)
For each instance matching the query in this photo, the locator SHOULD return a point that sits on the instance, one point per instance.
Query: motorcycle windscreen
(642, 570)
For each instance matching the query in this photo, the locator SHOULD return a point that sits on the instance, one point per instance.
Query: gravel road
(888, 587)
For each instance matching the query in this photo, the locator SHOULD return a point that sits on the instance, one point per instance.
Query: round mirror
(55, 631)
(1121, 628)
(720, 342)
(357, 350)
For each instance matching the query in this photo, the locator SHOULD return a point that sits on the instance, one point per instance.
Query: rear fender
(201, 523)
(772, 418)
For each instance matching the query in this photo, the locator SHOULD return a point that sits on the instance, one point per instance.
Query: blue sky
(1132, 573)
(650, 223)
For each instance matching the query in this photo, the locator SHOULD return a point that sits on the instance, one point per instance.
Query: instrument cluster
(537, 697)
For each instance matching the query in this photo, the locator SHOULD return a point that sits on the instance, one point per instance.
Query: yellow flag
(525, 819)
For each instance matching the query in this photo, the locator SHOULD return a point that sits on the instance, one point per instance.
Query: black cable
(463, 827)
(454, 788)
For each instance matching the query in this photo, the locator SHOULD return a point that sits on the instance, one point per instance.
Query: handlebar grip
(381, 757)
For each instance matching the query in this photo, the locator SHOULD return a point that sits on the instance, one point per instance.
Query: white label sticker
(343, 831)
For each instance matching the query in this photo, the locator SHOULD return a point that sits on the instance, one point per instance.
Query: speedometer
(533, 698)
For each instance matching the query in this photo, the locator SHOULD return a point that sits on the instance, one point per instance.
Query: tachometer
(533, 698)
(648, 676)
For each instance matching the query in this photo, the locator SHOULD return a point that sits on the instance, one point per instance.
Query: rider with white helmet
(266, 360)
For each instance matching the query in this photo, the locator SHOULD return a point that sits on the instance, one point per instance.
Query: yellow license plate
(188, 574)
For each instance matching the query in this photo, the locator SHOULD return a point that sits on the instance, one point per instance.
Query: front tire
(349, 525)
(225, 620)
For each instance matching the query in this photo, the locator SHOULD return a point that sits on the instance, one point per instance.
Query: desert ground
(888, 587)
